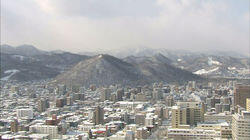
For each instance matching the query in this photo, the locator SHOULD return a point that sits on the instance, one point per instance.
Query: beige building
(190, 134)
(169, 101)
(140, 119)
(105, 94)
(46, 129)
(241, 126)
(187, 113)
(248, 104)
(223, 128)
(142, 133)
(213, 117)
(98, 116)
(141, 97)
(204, 131)
(178, 116)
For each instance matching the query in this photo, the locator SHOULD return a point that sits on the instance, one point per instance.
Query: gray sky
(91, 25)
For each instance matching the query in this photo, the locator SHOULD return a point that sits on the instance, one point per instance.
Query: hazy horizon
(98, 26)
(136, 49)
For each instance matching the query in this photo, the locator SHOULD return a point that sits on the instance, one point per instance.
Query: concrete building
(241, 93)
(188, 134)
(98, 116)
(241, 126)
(14, 126)
(142, 133)
(61, 90)
(222, 127)
(140, 119)
(15, 89)
(45, 129)
(119, 94)
(105, 94)
(123, 135)
(25, 113)
(43, 105)
(187, 113)
(169, 100)
(248, 104)
(140, 97)
(149, 121)
(178, 116)
(60, 102)
(213, 117)
(157, 93)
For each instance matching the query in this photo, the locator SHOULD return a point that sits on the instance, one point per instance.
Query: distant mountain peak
(24, 50)
(27, 46)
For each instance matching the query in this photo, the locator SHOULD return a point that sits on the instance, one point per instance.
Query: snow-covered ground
(196, 97)
(203, 71)
(11, 73)
(231, 68)
(213, 62)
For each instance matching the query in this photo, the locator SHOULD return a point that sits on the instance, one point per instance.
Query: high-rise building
(43, 104)
(187, 113)
(241, 126)
(149, 121)
(119, 94)
(178, 116)
(159, 111)
(169, 101)
(98, 116)
(212, 101)
(192, 84)
(241, 93)
(60, 102)
(105, 94)
(157, 93)
(14, 126)
(248, 104)
(69, 101)
(218, 108)
(61, 90)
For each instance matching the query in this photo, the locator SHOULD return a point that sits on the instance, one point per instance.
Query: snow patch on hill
(11, 73)
(203, 71)
(213, 62)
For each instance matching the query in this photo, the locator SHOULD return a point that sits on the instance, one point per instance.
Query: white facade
(186, 134)
(45, 129)
(26, 113)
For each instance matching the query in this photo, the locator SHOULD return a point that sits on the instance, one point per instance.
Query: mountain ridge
(108, 70)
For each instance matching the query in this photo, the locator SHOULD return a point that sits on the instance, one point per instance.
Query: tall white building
(241, 126)
(25, 113)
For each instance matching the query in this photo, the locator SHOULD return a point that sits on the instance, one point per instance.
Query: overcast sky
(91, 25)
